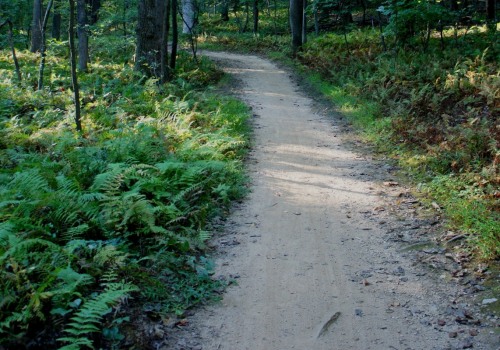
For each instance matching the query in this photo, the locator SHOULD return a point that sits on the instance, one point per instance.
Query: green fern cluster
(84, 220)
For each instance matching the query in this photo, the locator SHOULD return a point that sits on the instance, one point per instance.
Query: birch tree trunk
(188, 16)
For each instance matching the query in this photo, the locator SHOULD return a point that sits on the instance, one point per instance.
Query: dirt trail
(312, 265)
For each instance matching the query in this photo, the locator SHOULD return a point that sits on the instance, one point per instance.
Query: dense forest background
(119, 159)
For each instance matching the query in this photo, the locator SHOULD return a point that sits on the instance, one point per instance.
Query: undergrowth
(93, 225)
(437, 112)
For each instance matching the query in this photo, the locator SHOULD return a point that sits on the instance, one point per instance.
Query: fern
(88, 319)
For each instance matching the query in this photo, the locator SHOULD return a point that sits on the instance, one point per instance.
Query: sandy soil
(311, 248)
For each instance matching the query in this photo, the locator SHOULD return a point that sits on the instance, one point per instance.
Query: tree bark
(165, 69)
(175, 36)
(316, 17)
(304, 21)
(188, 16)
(56, 22)
(296, 18)
(83, 35)
(490, 10)
(42, 47)
(36, 26)
(225, 11)
(94, 6)
(149, 37)
(74, 76)
(124, 17)
(255, 16)
(12, 48)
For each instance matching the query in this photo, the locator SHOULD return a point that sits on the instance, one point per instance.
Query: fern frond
(110, 181)
(27, 183)
(75, 232)
(76, 343)
(7, 229)
(26, 247)
(110, 255)
(88, 318)
(71, 280)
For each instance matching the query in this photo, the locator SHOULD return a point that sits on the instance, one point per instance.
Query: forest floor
(330, 250)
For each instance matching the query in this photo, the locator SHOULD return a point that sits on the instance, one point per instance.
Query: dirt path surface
(309, 247)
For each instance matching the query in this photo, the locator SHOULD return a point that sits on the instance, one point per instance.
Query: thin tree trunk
(363, 6)
(440, 26)
(12, 48)
(175, 36)
(225, 11)
(83, 36)
(304, 21)
(42, 47)
(247, 13)
(316, 18)
(427, 37)
(56, 22)
(36, 26)
(490, 11)
(275, 18)
(382, 38)
(74, 76)
(94, 6)
(165, 72)
(255, 16)
(188, 16)
(124, 17)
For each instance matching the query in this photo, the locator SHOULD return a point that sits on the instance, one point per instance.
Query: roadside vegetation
(103, 226)
(429, 97)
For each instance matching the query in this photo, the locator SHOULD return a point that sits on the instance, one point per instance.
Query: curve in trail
(313, 269)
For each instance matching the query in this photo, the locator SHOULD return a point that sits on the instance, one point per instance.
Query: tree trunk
(148, 49)
(188, 16)
(94, 6)
(225, 11)
(304, 21)
(363, 6)
(316, 17)
(247, 16)
(296, 14)
(255, 16)
(490, 10)
(83, 36)
(36, 26)
(42, 47)
(165, 70)
(12, 48)
(74, 76)
(124, 17)
(56, 22)
(175, 36)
